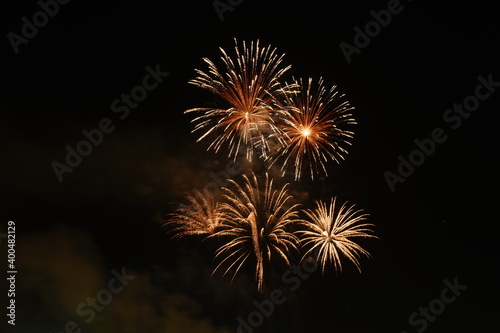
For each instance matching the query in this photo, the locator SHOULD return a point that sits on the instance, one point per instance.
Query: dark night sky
(107, 213)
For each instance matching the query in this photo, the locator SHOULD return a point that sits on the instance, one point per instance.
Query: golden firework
(256, 225)
(202, 216)
(313, 122)
(330, 234)
(249, 83)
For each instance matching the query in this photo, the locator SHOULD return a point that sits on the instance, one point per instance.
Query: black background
(439, 224)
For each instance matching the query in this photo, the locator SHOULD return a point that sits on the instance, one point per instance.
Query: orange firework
(313, 127)
(249, 83)
(256, 226)
(202, 216)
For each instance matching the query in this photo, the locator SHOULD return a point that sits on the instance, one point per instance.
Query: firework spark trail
(302, 125)
(253, 223)
(256, 224)
(249, 84)
(330, 234)
(313, 127)
(202, 216)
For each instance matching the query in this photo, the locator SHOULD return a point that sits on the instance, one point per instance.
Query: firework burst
(330, 234)
(256, 224)
(313, 127)
(249, 84)
(300, 126)
(202, 216)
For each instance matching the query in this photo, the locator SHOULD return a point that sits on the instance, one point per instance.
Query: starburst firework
(314, 127)
(202, 216)
(330, 234)
(256, 225)
(300, 126)
(249, 83)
